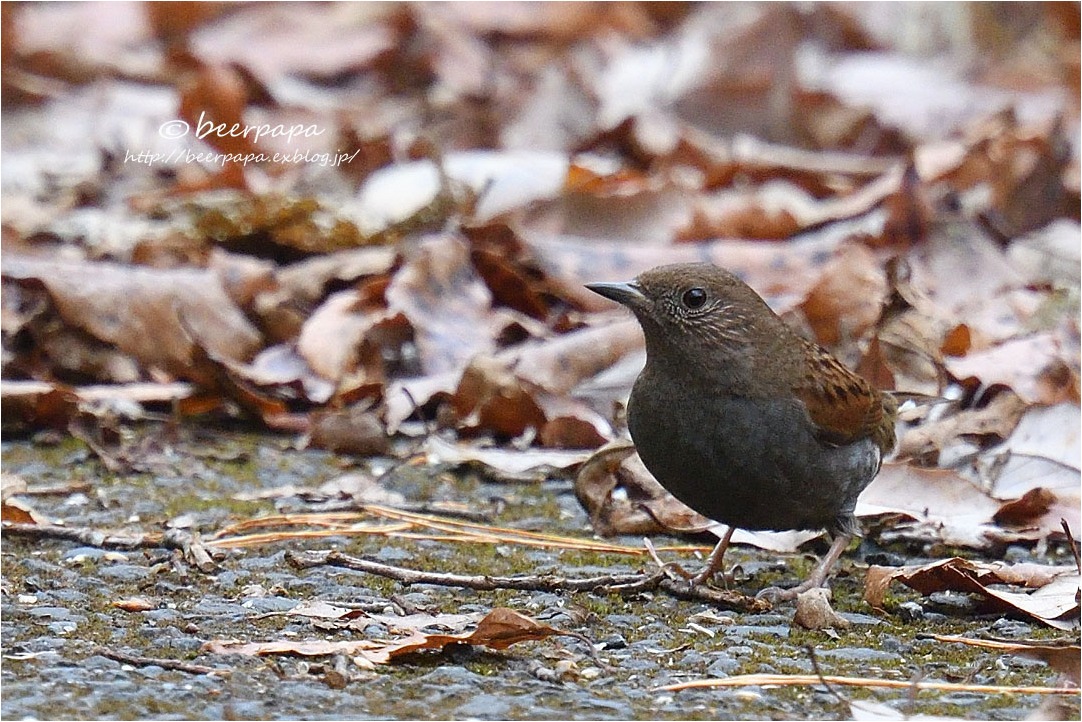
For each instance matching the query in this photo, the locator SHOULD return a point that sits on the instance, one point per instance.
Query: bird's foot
(715, 563)
(777, 594)
(774, 595)
(707, 575)
(670, 569)
(818, 578)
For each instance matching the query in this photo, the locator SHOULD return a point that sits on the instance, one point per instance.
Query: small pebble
(1011, 628)
(616, 641)
(910, 611)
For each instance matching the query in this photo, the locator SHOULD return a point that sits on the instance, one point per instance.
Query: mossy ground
(651, 639)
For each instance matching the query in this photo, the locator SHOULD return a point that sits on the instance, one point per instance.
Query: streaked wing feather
(843, 405)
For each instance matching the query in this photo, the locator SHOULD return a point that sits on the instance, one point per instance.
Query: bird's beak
(627, 294)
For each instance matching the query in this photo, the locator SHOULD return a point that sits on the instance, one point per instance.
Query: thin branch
(87, 536)
(609, 583)
(480, 582)
(819, 673)
(185, 541)
(794, 680)
(1073, 544)
(56, 489)
(173, 664)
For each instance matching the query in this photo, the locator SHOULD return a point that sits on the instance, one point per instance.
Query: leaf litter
(914, 212)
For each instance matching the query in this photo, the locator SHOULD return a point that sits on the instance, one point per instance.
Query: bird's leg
(716, 561)
(816, 579)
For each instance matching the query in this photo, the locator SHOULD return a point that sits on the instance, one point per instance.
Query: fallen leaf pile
(403, 246)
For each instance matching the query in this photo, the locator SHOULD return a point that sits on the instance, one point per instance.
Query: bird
(743, 419)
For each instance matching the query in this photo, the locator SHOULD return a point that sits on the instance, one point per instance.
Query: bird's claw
(706, 575)
(777, 594)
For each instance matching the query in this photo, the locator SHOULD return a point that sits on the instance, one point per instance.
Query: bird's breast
(754, 463)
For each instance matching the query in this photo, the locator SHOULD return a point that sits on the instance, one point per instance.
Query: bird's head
(697, 311)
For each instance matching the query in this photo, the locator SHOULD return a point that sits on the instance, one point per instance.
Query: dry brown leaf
(1018, 364)
(81, 43)
(998, 419)
(489, 397)
(356, 429)
(499, 629)
(316, 648)
(781, 273)
(319, 609)
(157, 316)
(280, 370)
(813, 611)
(571, 424)
(622, 497)
(37, 405)
(559, 364)
(509, 284)
(945, 507)
(504, 460)
(404, 397)
(447, 304)
(306, 281)
(549, 24)
(508, 179)
(1022, 512)
(908, 344)
(1054, 602)
(135, 604)
(641, 507)
(341, 338)
(218, 95)
(1044, 450)
(15, 511)
(12, 510)
(294, 41)
(848, 299)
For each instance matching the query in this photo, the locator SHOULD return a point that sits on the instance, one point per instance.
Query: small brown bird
(741, 418)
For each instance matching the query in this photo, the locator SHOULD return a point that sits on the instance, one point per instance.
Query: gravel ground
(63, 633)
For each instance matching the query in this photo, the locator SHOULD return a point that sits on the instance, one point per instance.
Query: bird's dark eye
(694, 298)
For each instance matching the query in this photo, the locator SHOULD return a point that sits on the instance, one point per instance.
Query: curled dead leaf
(499, 629)
(813, 611)
(622, 497)
(1055, 601)
(491, 397)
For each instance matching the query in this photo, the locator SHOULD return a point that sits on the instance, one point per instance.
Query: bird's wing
(843, 405)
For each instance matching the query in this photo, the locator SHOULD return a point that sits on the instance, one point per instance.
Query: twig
(173, 664)
(472, 515)
(609, 583)
(185, 541)
(671, 569)
(721, 598)
(56, 489)
(191, 544)
(429, 426)
(480, 582)
(819, 673)
(87, 537)
(1074, 545)
(791, 680)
